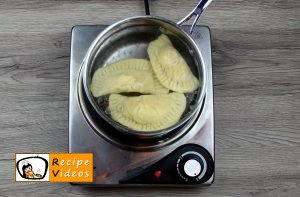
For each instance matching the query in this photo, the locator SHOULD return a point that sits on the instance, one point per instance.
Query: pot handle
(197, 11)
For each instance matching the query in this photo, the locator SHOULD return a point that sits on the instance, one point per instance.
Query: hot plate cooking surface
(116, 166)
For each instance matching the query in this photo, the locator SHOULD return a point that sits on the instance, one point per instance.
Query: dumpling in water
(147, 112)
(169, 66)
(130, 75)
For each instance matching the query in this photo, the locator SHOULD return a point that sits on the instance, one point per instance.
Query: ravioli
(147, 112)
(130, 75)
(170, 67)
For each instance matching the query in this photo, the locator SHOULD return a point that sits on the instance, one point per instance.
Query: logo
(32, 167)
(54, 167)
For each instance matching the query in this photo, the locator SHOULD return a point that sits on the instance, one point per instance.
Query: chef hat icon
(25, 162)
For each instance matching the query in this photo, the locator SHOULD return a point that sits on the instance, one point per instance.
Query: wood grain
(256, 49)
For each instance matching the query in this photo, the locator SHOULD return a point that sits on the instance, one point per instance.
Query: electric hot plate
(187, 160)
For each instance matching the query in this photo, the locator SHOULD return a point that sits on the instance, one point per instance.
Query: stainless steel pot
(129, 38)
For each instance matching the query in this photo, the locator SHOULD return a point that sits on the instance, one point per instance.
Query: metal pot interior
(130, 39)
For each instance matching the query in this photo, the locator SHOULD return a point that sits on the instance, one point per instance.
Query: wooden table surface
(256, 72)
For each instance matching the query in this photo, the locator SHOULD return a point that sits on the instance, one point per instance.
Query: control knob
(191, 166)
